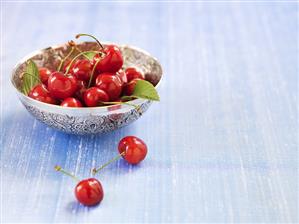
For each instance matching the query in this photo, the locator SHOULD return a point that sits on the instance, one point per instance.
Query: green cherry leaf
(145, 90)
(30, 77)
(89, 55)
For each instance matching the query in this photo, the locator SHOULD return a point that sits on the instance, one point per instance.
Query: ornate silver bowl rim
(83, 110)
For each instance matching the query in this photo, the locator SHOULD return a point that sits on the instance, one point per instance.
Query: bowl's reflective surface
(87, 120)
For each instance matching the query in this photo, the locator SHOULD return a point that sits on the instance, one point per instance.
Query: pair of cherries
(88, 83)
(89, 191)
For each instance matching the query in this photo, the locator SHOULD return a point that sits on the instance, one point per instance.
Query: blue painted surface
(222, 142)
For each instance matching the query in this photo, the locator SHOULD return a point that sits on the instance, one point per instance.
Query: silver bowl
(87, 120)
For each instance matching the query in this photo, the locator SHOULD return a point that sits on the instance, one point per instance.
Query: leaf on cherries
(30, 77)
(145, 90)
(89, 55)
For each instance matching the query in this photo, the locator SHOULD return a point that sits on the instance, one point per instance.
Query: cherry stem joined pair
(93, 37)
(73, 46)
(63, 60)
(77, 56)
(94, 170)
(102, 48)
(92, 72)
(58, 168)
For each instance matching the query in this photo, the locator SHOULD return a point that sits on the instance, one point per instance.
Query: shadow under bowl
(87, 120)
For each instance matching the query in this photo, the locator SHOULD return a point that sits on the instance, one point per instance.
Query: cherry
(129, 87)
(133, 73)
(123, 77)
(71, 102)
(111, 84)
(134, 149)
(89, 192)
(131, 148)
(40, 93)
(44, 74)
(61, 86)
(82, 69)
(109, 60)
(94, 96)
(81, 89)
(112, 60)
(67, 64)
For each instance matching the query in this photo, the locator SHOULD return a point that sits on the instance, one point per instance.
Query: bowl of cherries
(87, 87)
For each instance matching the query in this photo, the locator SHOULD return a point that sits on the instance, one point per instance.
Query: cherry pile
(87, 81)
(89, 191)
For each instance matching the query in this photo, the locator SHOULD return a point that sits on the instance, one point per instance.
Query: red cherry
(61, 86)
(131, 148)
(94, 96)
(129, 87)
(111, 84)
(134, 149)
(133, 73)
(123, 77)
(89, 192)
(66, 65)
(112, 61)
(81, 89)
(44, 74)
(40, 93)
(71, 102)
(82, 69)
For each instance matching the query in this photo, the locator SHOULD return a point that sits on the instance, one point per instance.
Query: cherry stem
(63, 60)
(59, 169)
(93, 37)
(95, 170)
(92, 73)
(77, 56)
(77, 49)
(73, 44)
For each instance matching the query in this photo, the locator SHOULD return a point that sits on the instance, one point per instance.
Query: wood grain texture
(223, 143)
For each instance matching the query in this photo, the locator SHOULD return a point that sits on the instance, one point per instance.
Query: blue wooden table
(223, 143)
